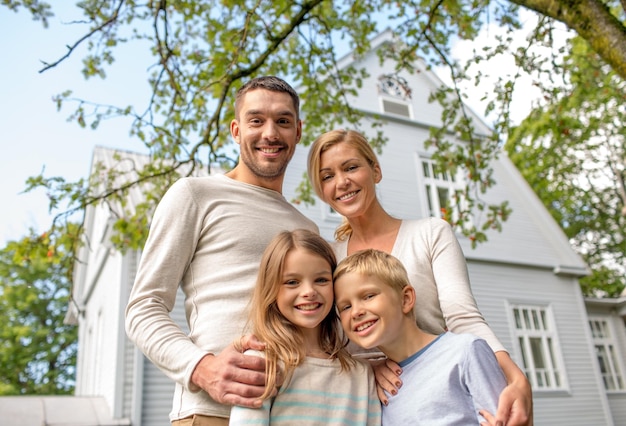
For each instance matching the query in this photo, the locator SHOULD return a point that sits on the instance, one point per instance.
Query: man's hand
(388, 380)
(231, 377)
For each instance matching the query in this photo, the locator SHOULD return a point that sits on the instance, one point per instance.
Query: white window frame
(607, 353)
(394, 89)
(436, 186)
(536, 341)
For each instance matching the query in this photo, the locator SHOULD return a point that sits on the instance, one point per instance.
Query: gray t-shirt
(446, 383)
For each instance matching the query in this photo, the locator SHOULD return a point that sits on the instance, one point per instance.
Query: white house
(525, 278)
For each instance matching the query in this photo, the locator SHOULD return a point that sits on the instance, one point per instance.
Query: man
(207, 235)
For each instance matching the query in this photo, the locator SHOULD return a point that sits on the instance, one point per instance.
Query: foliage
(37, 350)
(204, 50)
(572, 151)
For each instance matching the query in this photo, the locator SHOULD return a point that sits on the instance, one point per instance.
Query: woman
(344, 171)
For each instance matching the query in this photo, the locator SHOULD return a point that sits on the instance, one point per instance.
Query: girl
(293, 312)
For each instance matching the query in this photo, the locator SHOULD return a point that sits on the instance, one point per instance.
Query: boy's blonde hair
(377, 264)
(284, 341)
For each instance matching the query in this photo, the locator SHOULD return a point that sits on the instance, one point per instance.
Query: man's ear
(234, 130)
(408, 299)
(299, 132)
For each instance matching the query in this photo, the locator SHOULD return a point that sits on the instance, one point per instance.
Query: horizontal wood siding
(158, 389)
(493, 285)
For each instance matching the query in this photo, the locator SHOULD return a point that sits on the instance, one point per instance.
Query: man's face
(267, 132)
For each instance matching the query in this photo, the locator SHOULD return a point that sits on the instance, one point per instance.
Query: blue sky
(35, 136)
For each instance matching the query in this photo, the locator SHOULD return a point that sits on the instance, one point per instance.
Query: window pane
(526, 319)
(536, 321)
(518, 321)
(430, 201)
(537, 351)
(426, 168)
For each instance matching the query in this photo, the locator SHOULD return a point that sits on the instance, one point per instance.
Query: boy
(447, 379)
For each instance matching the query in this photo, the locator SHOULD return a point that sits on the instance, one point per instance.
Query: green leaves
(37, 350)
(572, 151)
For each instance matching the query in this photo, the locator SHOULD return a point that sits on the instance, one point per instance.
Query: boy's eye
(344, 308)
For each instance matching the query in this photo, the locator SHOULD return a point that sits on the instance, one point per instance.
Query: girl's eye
(291, 282)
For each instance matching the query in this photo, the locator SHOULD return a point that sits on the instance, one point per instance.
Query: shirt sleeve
(456, 300)
(483, 377)
(166, 255)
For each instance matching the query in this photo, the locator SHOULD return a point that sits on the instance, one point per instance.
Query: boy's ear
(408, 299)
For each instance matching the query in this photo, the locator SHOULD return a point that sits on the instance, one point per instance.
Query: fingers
(387, 379)
(232, 377)
(490, 420)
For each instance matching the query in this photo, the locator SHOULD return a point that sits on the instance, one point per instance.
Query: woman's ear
(378, 173)
(408, 299)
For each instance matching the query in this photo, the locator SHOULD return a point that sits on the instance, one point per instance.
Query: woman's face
(348, 181)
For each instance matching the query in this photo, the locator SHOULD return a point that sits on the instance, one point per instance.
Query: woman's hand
(515, 405)
(388, 380)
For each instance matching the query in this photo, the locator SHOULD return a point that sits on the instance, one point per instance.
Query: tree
(204, 50)
(37, 350)
(572, 151)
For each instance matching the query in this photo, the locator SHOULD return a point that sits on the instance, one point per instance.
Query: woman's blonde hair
(284, 341)
(327, 140)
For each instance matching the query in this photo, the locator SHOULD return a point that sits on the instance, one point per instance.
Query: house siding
(158, 389)
(516, 265)
(496, 286)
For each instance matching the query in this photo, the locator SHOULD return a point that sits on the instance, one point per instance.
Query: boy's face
(370, 310)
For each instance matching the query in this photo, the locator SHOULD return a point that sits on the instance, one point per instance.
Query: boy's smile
(370, 310)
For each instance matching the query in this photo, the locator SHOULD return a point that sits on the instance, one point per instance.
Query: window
(538, 346)
(395, 95)
(606, 353)
(441, 191)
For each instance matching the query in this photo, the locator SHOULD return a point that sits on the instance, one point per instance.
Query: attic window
(394, 85)
(395, 95)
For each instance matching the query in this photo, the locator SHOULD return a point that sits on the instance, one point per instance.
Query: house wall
(614, 316)
(100, 362)
(516, 265)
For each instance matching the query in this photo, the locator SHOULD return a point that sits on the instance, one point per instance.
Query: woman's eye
(326, 177)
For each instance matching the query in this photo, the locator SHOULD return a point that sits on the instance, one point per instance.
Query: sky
(35, 137)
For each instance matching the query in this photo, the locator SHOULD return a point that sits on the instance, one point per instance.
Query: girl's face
(305, 296)
(348, 181)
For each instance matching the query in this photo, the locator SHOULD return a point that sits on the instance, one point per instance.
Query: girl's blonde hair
(284, 341)
(327, 140)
